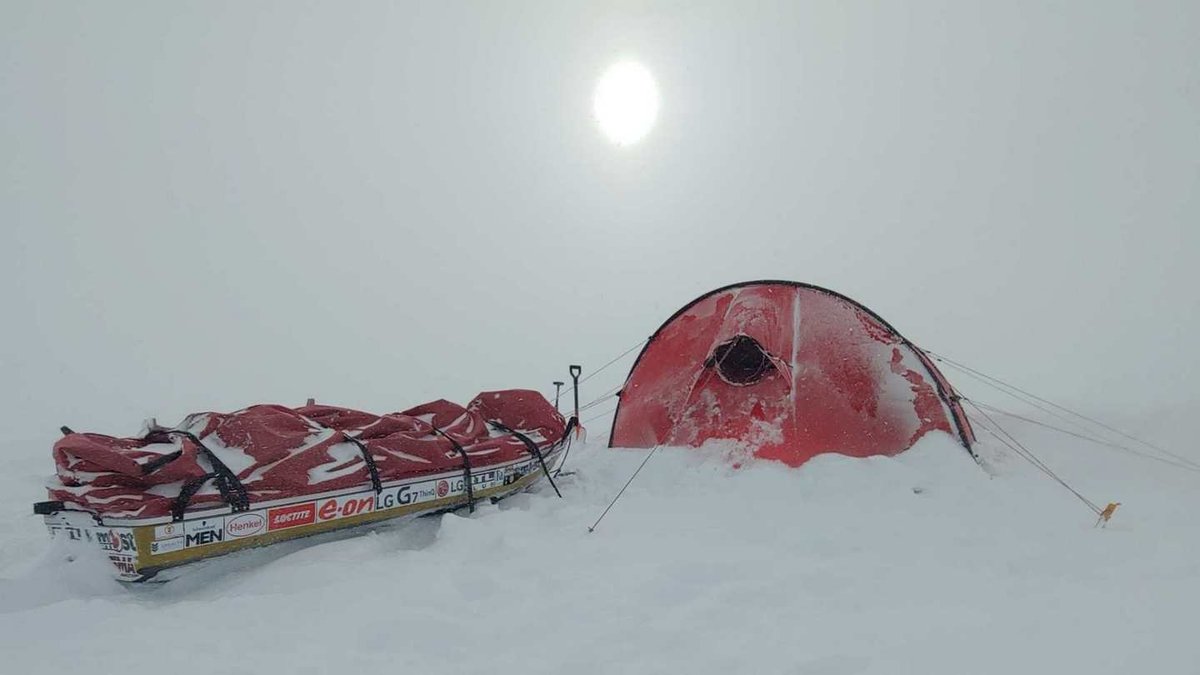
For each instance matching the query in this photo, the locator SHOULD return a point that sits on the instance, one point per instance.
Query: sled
(168, 498)
(140, 548)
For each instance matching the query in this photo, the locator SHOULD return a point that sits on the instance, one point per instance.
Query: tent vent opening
(740, 361)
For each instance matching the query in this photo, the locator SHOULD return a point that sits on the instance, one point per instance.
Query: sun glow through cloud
(626, 102)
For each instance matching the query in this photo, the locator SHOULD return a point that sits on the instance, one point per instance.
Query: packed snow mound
(919, 563)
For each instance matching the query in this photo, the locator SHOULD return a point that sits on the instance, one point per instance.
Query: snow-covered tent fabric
(789, 369)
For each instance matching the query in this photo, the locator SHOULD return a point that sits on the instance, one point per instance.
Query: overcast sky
(205, 205)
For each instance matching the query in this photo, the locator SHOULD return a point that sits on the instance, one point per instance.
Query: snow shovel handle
(576, 371)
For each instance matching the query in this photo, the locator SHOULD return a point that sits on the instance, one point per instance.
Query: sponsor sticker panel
(126, 566)
(296, 515)
(406, 495)
(118, 543)
(204, 531)
(161, 546)
(345, 506)
(427, 491)
(168, 531)
(245, 524)
(116, 540)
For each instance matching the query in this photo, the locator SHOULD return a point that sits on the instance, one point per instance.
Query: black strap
(533, 450)
(190, 488)
(226, 481)
(565, 441)
(231, 489)
(47, 508)
(466, 467)
(372, 469)
(160, 461)
(376, 484)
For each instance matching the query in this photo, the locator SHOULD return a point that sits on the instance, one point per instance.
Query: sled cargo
(218, 483)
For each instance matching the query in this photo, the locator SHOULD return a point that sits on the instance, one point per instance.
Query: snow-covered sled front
(216, 484)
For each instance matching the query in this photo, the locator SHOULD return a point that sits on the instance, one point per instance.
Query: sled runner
(218, 483)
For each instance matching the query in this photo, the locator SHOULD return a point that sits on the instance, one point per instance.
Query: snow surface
(922, 563)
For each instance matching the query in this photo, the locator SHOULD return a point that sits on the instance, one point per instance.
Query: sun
(626, 102)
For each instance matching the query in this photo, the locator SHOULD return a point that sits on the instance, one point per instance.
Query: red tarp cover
(279, 452)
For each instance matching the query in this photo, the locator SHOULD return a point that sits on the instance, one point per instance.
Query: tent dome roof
(791, 369)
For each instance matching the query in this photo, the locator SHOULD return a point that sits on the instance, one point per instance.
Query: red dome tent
(791, 369)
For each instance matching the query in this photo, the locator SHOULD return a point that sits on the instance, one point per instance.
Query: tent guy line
(623, 488)
(1032, 399)
(1024, 453)
(1092, 439)
(599, 370)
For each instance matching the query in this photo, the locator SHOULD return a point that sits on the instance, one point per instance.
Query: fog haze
(207, 205)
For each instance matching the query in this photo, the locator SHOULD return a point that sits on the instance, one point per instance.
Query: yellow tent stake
(1106, 514)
